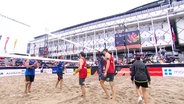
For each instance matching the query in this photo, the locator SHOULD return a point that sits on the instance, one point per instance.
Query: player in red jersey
(108, 74)
(82, 69)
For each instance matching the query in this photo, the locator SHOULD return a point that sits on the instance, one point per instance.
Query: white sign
(173, 71)
(69, 71)
(37, 71)
(10, 72)
(48, 71)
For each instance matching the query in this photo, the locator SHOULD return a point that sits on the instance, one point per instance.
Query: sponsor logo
(173, 71)
(155, 71)
(11, 73)
(168, 72)
(1, 73)
(69, 71)
(123, 72)
(22, 71)
(180, 72)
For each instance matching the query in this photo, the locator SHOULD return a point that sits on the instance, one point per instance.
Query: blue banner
(132, 38)
(119, 39)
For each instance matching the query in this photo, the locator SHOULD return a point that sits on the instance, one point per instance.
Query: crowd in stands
(148, 59)
(151, 59)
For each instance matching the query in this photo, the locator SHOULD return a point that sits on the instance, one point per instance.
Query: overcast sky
(53, 15)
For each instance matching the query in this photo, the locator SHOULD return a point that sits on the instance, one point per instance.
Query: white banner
(173, 71)
(11, 72)
(69, 71)
(48, 71)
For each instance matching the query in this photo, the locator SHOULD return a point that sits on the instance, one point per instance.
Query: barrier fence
(165, 70)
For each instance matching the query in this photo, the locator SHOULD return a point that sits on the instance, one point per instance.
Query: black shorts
(143, 84)
(30, 78)
(109, 77)
(81, 81)
(60, 75)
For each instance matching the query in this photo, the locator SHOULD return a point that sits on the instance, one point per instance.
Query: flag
(15, 42)
(73, 48)
(34, 45)
(83, 49)
(28, 48)
(7, 39)
(34, 48)
(173, 35)
(155, 36)
(0, 37)
(104, 45)
(66, 48)
(57, 49)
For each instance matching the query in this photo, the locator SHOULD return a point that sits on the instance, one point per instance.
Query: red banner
(155, 71)
(123, 72)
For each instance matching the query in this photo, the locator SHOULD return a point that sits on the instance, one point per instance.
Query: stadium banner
(119, 40)
(88, 71)
(132, 39)
(37, 71)
(12, 72)
(173, 71)
(47, 71)
(123, 72)
(69, 71)
(155, 71)
(43, 51)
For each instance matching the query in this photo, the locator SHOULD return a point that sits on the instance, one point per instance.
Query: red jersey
(83, 71)
(111, 66)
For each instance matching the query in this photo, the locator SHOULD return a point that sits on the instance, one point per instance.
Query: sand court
(164, 90)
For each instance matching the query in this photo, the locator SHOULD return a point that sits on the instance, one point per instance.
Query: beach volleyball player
(60, 69)
(82, 69)
(100, 65)
(141, 77)
(108, 74)
(31, 65)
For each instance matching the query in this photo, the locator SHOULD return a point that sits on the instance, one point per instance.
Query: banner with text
(173, 71)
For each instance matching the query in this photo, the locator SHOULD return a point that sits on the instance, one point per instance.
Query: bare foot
(107, 97)
(25, 92)
(83, 96)
(113, 98)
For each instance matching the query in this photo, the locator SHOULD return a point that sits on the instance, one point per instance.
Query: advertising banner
(132, 39)
(12, 72)
(88, 71)
(173, 71)
(129, 39)
(123, 72)
(119, 40)
(69, 71)
(37, 71)
(48, 71)
(43, 51)
(155, 71)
